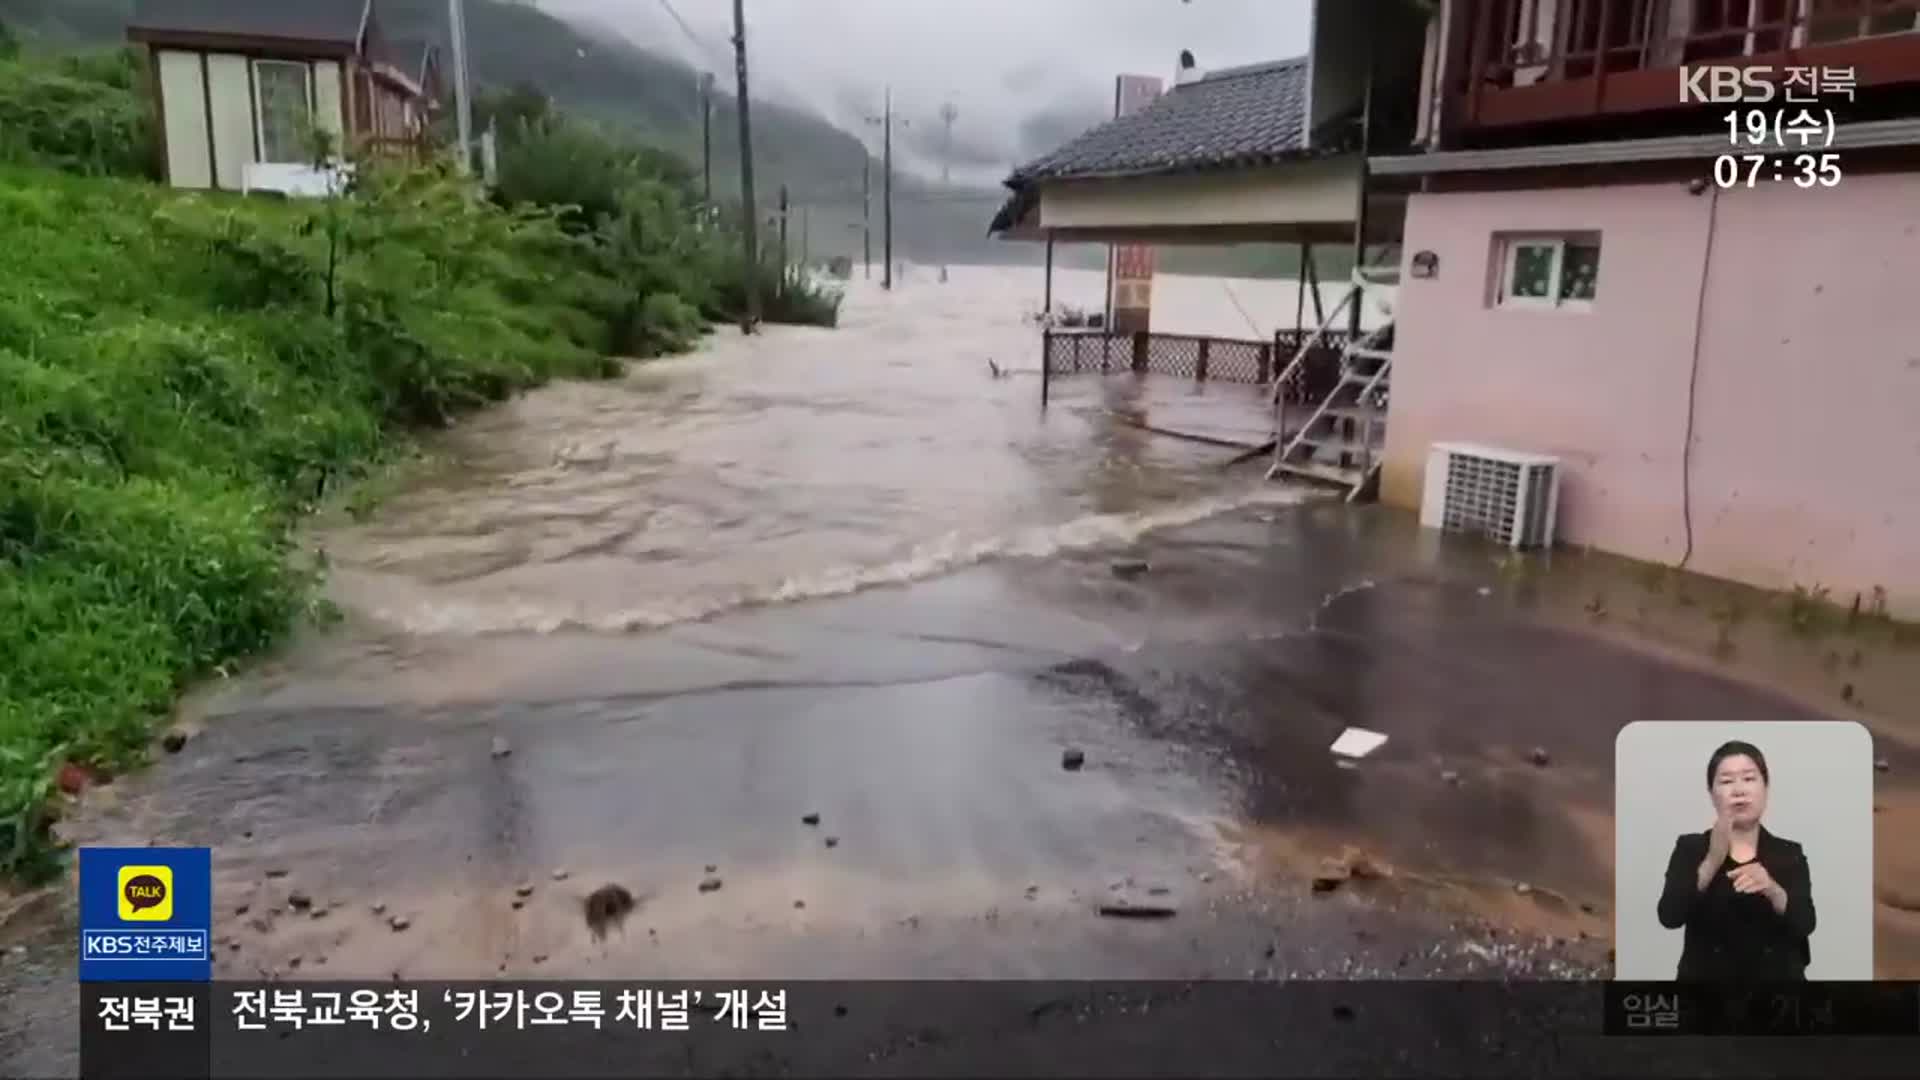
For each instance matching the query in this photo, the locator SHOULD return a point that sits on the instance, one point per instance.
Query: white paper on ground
(1358, 742)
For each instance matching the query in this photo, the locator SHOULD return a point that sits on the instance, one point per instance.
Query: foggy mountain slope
(652, 88)
(596, 72)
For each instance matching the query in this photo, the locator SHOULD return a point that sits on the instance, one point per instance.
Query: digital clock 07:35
(1751, 170)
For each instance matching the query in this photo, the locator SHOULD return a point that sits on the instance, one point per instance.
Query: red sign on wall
(1132, 266)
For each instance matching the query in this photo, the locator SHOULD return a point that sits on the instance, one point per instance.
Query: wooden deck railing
(1186, 356)
(1536, 60)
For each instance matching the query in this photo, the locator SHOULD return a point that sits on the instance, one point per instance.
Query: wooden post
(1477, 56)
(1600, 55)
(1266, 363)
(1300, 294)
(1046, 304)
(1313, 283)
(1140, 352)
(1200, 362)
(1046, 364)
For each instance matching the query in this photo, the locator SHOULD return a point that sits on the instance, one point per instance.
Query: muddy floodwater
(837, 656)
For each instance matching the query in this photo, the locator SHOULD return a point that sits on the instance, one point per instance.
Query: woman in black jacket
(1743, 894)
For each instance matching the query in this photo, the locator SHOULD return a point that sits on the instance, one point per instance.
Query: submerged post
(1046, 363)
(1046, 303)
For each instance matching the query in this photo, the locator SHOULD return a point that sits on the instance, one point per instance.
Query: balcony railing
(1539, 60)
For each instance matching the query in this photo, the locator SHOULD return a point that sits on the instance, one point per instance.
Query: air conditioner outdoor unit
(1504, 495)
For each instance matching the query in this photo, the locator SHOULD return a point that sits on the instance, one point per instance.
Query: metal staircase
(1337, 436)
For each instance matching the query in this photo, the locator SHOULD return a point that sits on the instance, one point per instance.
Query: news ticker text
(548, 1029)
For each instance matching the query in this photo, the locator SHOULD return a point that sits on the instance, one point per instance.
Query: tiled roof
(303, 20)
(1240, 116)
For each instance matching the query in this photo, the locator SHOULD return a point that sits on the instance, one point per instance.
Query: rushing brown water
(800, 463)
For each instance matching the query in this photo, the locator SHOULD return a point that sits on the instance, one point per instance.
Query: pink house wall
(1806, 427)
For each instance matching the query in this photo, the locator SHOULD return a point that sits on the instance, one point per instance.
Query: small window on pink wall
(1546, 271)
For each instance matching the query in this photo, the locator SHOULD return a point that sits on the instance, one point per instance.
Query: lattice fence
(1185, 356)
(1314, 379)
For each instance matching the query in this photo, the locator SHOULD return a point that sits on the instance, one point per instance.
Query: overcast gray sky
(1024, 74)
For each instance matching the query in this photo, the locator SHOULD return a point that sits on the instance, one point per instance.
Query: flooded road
(791, 638)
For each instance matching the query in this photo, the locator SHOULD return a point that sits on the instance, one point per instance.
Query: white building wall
(184, 94)
(232, 99)
(1314, 192)
(329, 105)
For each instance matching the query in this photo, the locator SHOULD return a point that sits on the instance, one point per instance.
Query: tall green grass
(181, 375)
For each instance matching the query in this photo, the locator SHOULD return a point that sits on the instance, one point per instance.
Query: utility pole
(886, 278)
(947, 115)
(866, 211)
(706, 137)
(806, 240)
(782, 286)
(749, 238)
(885, 120)
(462, 91)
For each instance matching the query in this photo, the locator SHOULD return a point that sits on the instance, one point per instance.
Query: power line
(684, 28)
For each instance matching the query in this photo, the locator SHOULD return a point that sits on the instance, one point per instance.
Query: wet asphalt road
(925, 726)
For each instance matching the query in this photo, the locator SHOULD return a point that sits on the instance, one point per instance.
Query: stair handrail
(1300, 355)
(1283, 449)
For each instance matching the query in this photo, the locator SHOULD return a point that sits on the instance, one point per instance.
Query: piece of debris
(1540, 757)
(1159, 890)
(399, 922)
(606, 906)
(1449, 776)
(1357, 742)
(1881, 765)
(560, 874)
(319, 913)
(294, 961)
(1846, 692)
(1133, 909)
(799, 904)
(299, 901)
(539, 958)
(277, 872)
(1362, 866)
(73, 779)
(833, 841)
(500, 747)
(1351, 864)
(709, 884)
(173, 740)
(1130, 568)
(1522, 888)
(1343, 1013)
(1205, 878)
(523, 890)
(518, 903)
(1071, 759)
(810, 819)
(377, 908)
(240, 909)
(1589, 909)
(1485, 591)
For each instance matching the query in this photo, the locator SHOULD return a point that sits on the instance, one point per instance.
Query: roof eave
(1262, 161)
(216, 41)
